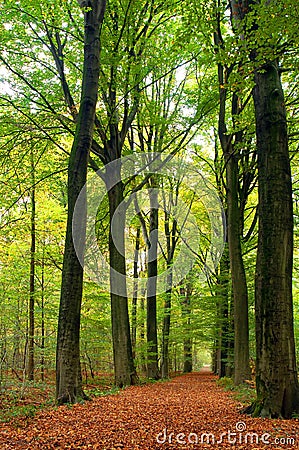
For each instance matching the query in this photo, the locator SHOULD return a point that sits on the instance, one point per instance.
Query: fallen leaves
(188, 412)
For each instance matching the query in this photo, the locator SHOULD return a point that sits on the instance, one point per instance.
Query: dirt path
(188, 412)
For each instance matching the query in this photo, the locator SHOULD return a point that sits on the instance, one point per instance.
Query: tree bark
(143, 367)
(32, 277)
(135, 292)
(187, 343)
(239, 284)
(185, 300)
(124, 370)
(237, 269)
(223, 338)
(171, 242)
(276, 374)
(152, 270)
(166, 328)
(68, 373)
(43, 329)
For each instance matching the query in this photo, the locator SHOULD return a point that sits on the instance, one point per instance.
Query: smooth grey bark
(68, 373)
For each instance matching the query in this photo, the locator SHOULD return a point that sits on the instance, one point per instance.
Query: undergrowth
(243, 393)
(21, 400)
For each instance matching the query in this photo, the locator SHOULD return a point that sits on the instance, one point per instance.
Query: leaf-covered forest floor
(190, 411)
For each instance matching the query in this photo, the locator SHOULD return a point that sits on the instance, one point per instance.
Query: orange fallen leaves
(188, 412)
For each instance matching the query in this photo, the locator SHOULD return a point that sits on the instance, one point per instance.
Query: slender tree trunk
(142, 336)
(188, 364)
(171, 242)
(135, 292)
(32, 278)
(124, 370)
(223, 338)
(276, 374)
(239, 284)
(166, 328)
(68, 373)
(43, 316)
(152, 270)
(187, 341)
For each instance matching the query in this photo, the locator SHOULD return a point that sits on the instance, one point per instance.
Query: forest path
(191, 411)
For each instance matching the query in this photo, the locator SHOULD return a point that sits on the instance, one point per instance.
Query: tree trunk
(166, 328)
(222, 324)
(239, 284)
(32, 278)
(135, 292)
(143, 367)
(152, 270)
(124, 370)
(276, 375)
(171, 242)
(68, 373)
(188, 354)
(43, 330)
(187, 341)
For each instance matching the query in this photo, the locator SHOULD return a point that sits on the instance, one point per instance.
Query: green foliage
(98, 392)
(243, 393)
(21, 400)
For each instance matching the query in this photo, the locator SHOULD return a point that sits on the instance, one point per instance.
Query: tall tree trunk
(135, 291)
(223, 333)
(124, 370)
(187, 340)
(143, 367)
(68, 373)
(43, 335)
(239, 284)
(152, 270)
(276, 374)
(32, 277)
(166, 327)
(171, 241)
